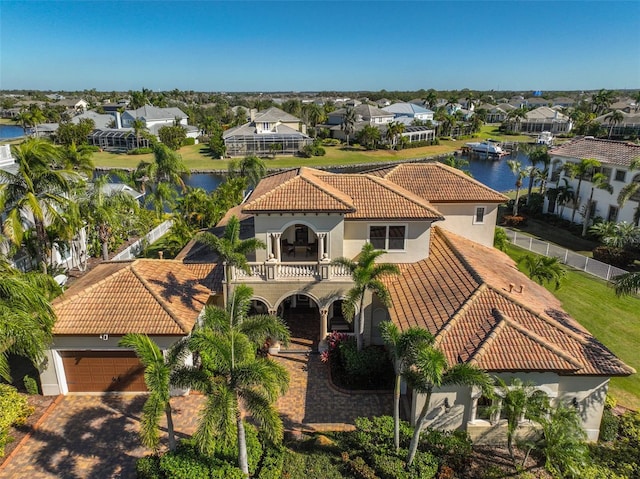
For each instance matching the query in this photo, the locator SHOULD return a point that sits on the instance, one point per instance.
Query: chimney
(118, 120)
(521, 289)
(160, 254)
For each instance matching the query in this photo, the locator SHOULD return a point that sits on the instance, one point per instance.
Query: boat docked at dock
(486, 149)
(545, 138)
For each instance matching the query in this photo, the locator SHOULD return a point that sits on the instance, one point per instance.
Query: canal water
(9, 132)
(495, 174)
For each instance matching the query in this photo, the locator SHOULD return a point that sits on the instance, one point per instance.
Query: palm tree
(516, 168)
(366, 275)
(369, 136)
(26, 317)
(250, 167)
(35, 193)
(78, 159)
(231, 250)
(37, 117)
(105, 210)
(431, 99)
(581, 169)
(394, 130)
(536, 155)
(520, 401)
(431, 371)
(401, 347)
(457, 162)
(601, 182)
(628, 283)
(614, 118)
(602, 100)
(543, 269)
(313, 114)
(159, 370)
(516, 116)
(565, 195)
(234, 378)
(630, 190)
(348, 123)
(138, 126)
(167, 167)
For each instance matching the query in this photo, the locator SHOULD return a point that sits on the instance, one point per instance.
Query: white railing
(565, 256)
(291, 271)
(151, 237)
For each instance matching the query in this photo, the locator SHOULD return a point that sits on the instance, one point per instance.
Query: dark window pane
(396, 237)
(479, 215)
(377, 236)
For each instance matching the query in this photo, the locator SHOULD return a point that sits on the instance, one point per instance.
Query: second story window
(621, 175)
(391, 237)
(478, 218)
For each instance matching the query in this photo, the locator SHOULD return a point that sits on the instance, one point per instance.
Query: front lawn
(613, 321)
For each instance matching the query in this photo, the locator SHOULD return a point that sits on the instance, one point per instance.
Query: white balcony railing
(291, 271)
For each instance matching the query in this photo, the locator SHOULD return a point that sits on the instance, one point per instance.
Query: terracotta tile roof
(605, 151)
(438, 183)
(210, 275)
(357, 196)
(461, 295)
(160, 297)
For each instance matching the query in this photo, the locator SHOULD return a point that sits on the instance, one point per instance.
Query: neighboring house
(626, 105)
(544, 119)
(75, 105)
(629, 126)
(365, 115)
(155, 118)
(470, 296)
(564, 102)
(537, 102)
(495, 114)
(615, 157)
(410, 110)
(269, 132)
(100, 121)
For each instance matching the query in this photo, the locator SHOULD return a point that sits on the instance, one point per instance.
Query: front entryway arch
(301, 313)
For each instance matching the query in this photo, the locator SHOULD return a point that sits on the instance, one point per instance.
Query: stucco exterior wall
(356, 233)
(589, 393)
(332, 224)
(52, 376)
(459, 219)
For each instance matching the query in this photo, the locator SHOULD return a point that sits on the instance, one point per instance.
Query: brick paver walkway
(96, 436)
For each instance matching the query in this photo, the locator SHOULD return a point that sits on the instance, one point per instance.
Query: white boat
(545, 138)
(487, 148)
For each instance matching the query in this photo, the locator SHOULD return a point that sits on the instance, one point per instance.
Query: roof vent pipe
(521, 288)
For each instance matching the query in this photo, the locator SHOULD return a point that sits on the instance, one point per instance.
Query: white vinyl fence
(151, 237)
(568, 257)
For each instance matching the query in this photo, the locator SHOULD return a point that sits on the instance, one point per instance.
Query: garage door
(103, 371)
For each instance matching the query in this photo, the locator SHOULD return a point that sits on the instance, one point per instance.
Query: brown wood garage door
(103, 371)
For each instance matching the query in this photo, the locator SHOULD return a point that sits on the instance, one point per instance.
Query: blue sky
(313, 46)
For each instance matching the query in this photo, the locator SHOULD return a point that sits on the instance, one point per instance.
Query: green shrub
(608, 426)
(148, 467)
(370, 363)
(613, 256)
(226, 471)
(361, 469)
(272, 462)
(453, 448)
(184, 463)
(31, 385)
(188, 141)
(331, 142)
(14, 411)
(140, 151)
(229, 452)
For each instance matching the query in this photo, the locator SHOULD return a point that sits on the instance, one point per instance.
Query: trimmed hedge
(272, 462)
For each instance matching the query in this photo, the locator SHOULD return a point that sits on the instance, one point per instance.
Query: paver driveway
(96, 436)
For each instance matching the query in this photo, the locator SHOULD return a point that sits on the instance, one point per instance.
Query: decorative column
(321, 237)
(278, 252)
(274, 346)
(323, 346)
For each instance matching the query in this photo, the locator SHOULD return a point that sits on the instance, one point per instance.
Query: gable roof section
(605, 151)
(274, 114)
(460, 294)
(546, 113)
(406, 109)
(156, 297)
(439, 183)
(150, 112)
(357, 196)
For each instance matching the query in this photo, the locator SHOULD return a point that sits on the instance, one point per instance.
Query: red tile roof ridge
(64, 299)
(488, 340)
(408, 195)
(503, 318)
(161, 301)
(459, 314)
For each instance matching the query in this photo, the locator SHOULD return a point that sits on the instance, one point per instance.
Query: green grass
(613, 321)
(198, 157)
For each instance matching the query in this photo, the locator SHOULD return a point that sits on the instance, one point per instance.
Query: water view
(8, 132)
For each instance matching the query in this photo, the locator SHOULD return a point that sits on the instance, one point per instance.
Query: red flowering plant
(333, 340)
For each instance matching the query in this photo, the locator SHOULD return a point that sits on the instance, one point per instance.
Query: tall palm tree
(630, 190)
(348, 125)
(537, 155)
(581, 169)
(138, 126)
(231, 250)
(313, 114)
(35, 193)
(105, 210)
(250, 167)
(516, 116)
(159, 370)
(366, 275)
(401, 347)
(37, 117)
(78, 159)
(431, 371)
(600, 182)
(543, 269)
(614, 118)
(234, 378)
(516, 168)
(565, 195)
(26, 316)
